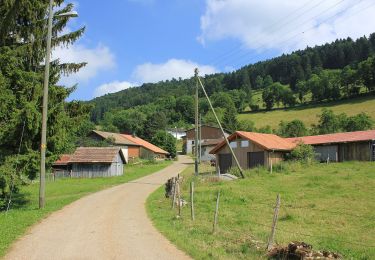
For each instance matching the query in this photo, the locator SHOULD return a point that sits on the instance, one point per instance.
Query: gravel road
(110, 224)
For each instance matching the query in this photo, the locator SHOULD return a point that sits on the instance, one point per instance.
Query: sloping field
(308, 114)
(328, 206)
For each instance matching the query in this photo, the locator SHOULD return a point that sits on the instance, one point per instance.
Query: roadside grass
(25, 212)
(308, 114)
(331, 207)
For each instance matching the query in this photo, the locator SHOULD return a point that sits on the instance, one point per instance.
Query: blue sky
(130, 42)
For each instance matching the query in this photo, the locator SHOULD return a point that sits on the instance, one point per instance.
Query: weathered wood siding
(242, 154)
(356, 151)
(207, 132)
(95, 170)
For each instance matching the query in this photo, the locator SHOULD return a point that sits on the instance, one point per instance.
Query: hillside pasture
(308, 114)
(330, 206)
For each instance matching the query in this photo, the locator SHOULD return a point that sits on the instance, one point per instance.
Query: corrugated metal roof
(119, 138)
(212, 142)
(94, 155)
(335, 138)
(144, 144)
(267, 141)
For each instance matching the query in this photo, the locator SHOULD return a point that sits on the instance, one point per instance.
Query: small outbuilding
(251, 150)
(91, 162)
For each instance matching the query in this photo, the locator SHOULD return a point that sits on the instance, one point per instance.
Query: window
(233, 144)
(245, 143)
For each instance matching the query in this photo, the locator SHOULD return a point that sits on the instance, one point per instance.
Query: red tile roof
(63, 160)
(145, 144)
(267, 141)
(94, 155)
(335, 138)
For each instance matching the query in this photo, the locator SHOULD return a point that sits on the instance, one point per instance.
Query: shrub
(303, 153)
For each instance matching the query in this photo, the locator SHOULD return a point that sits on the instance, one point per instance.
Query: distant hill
(326, 73)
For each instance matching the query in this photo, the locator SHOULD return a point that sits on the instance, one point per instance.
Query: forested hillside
(341, 69)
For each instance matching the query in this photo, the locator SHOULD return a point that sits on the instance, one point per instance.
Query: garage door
(255, 159)
(225, 162)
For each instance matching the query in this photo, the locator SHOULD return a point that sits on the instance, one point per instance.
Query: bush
(254, 107)
(303, 153)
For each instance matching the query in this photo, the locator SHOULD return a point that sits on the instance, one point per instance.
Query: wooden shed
(339, 147)
(92, 162)
(251, 150)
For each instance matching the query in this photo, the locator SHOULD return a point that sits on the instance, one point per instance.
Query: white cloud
(112, 87)
(286, 25)
(98, 59)
(173, 68)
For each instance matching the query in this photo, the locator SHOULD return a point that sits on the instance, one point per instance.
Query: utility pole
(196, 123)
(43, 145)
(200, 138)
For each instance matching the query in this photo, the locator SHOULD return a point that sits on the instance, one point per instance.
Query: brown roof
(335, 138)
(119, 138)
(145, 144)
(267, 141)
(212, 142)
(94, 155)
(63, 160)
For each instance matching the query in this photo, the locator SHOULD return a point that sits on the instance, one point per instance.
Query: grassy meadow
(25, 212)
(308, 114)
(331, 207)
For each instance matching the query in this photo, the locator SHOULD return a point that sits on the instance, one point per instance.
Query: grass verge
(331, 207)
(25, 212)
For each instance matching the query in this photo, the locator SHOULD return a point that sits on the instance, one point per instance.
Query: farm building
(206, 147)
(91, 162)
(178, 133)
(134, 147)
(251, 150)
(207, 133)
(339, 147)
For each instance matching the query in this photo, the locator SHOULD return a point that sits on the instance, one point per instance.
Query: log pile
(299, 250)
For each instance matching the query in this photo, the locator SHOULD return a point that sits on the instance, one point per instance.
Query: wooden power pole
(196, 147)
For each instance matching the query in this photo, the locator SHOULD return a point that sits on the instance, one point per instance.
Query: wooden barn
(134, 146)
(92, 162)
(206, 133)
(251, 150)
(339, 147)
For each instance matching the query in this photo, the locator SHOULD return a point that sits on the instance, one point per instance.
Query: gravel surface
(110, 224)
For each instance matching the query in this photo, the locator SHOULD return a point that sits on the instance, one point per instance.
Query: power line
(296, 28)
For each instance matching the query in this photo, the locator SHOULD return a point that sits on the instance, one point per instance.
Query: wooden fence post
(174, 185)
(179, 199)
(192, 201)
(216, 212)
(274, 223)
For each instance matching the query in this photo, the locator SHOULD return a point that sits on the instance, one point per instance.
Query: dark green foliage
(22, 51)
(165, 141)
(293, 128)
(331, 123)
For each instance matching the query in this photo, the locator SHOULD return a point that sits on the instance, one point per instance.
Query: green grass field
(331, 207)
(25, 212)
(308, 114)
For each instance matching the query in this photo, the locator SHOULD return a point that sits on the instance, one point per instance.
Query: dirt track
(111, 224)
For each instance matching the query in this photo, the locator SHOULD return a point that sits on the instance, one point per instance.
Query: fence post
(174, 185)
(274, 222)
(216, 212)
(192, 200)
(179, 198)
